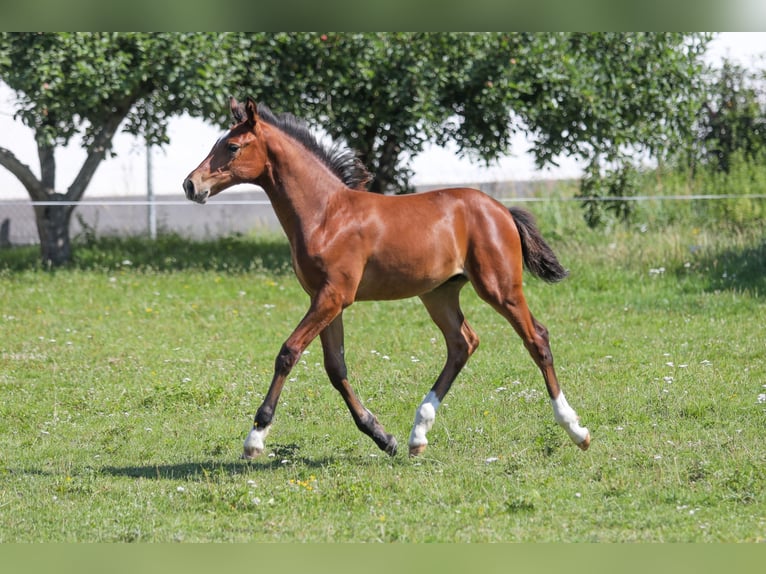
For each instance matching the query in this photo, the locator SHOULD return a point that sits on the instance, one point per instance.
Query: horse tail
(538, 256)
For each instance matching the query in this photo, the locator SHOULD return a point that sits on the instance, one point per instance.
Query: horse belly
(405, 280)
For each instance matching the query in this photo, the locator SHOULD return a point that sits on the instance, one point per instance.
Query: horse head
(239, 156)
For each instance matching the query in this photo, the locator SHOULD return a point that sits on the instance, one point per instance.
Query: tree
(388, 94)
(732, 118)
(595, 96)
(609, 98)
(91, 84)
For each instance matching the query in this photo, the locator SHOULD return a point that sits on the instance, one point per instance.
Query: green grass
(129, 382)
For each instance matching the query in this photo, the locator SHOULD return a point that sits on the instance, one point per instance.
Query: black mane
(341, 160)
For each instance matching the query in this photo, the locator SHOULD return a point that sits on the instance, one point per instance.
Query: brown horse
(351, 245)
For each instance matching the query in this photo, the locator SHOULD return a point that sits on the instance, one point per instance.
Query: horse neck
(299, 185)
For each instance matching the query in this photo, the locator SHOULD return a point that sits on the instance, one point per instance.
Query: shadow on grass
(190, 470)
(167, 253)
(737, 269)
(282, 456)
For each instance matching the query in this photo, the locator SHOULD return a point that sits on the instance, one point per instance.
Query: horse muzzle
(193, 194)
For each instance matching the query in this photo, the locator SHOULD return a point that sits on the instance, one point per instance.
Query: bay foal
(350, 245)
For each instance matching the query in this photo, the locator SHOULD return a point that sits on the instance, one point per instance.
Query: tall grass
(746, 180)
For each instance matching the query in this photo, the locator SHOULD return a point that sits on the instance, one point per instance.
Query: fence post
(151, 207)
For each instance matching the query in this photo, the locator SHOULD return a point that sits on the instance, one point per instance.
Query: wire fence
(249, 212)
(505, 200)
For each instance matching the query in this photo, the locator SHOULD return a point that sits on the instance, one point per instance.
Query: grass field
(129, 382)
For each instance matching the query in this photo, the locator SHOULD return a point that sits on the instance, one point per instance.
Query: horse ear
(236, 110)
(252, 111)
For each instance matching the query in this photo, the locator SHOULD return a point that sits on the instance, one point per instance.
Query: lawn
(129, 381)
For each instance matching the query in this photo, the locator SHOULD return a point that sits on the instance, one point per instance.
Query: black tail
(538, 256)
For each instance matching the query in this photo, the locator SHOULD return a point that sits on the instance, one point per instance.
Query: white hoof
(417, 450)
(568, 419)
(424, 420)
(254, 443)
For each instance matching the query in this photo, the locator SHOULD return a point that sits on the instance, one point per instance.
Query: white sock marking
(424, 420)
(254, 442)
(567, 418)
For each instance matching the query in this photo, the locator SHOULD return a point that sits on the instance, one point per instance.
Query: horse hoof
(392, 447)
(585, 443)
(417, 450)
(251, 453)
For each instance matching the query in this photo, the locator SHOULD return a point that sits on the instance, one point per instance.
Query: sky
(191, 139)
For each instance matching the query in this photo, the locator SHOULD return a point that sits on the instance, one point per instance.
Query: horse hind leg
(444, 308)
(564, 414)
(535, 336)
(335, 365)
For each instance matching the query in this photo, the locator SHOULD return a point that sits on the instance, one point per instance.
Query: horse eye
(233, 148)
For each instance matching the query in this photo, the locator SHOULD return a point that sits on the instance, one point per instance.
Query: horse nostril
(189, 188)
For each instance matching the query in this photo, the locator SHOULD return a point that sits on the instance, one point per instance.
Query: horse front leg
(325, 306)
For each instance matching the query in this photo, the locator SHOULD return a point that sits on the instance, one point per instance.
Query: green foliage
(73, 83)
(608, 195)
(589, 95)
(387, 94)
(734, 198)
(743, 178)
(596, 96)
(235, 254)
(723, 155)
(92, 84)
(732, 120)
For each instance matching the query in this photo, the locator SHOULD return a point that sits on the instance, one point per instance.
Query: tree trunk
(53, 228)
(53, 220)
(388, 177)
